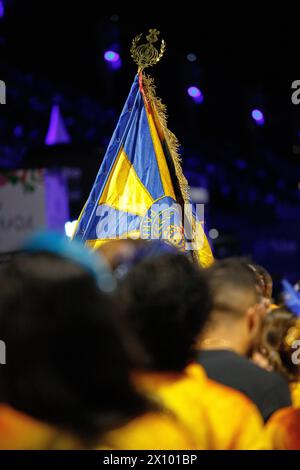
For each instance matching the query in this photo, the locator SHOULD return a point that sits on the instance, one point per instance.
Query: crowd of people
(135, 346)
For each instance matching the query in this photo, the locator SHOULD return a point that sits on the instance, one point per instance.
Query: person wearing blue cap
(76, 252)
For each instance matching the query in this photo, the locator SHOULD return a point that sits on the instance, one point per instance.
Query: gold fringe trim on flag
(172, 142)
(204, 255)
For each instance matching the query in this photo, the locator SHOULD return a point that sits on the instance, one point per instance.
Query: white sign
(30, 200)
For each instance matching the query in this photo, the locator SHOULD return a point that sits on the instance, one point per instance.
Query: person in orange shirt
(217, 417)
(281, 348)
(282, 432)
(167, 302)
(66, 383)
(152, 430)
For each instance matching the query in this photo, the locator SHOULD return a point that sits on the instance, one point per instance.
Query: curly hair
(281, 329)
(167, 301)
(264, 280)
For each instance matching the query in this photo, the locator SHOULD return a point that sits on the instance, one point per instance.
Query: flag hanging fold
(140, 191)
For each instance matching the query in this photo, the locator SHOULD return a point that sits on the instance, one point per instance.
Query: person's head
(236, 317)
(168, 302)
(66, 364)
(123, 254)
(119, 252)
(280, 340)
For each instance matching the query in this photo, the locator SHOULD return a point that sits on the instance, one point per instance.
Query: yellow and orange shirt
(215, 416)
(156, 431)
(19, 431)
(283, 429)
(149, 431)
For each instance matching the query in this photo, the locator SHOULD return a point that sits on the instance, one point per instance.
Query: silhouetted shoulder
(268, 390)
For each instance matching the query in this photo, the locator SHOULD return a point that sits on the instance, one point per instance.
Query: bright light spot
(213, 233)
(1, 9)
(191, 57)
(194, 92)
(258, 117)
(70, 227)
(111, 56)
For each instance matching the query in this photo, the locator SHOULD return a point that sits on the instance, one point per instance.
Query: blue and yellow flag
(140, 191)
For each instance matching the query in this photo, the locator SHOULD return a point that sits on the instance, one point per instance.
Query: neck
(214, 343)
(221, 339)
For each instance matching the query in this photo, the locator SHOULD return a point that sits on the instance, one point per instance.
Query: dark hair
(234, 274)
(168, 302)
(66, 364)
(281, 329)
(267, 280)
(137, 250)
(263, 279)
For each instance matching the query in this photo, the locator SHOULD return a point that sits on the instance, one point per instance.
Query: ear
(253, 319)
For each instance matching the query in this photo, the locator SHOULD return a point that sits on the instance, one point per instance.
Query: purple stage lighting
(195, 93)
(57, 131)
(113, 59)
(111, 56)
(1, 9)
(258, 117)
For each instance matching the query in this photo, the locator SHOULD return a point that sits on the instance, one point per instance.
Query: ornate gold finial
(146, 55)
